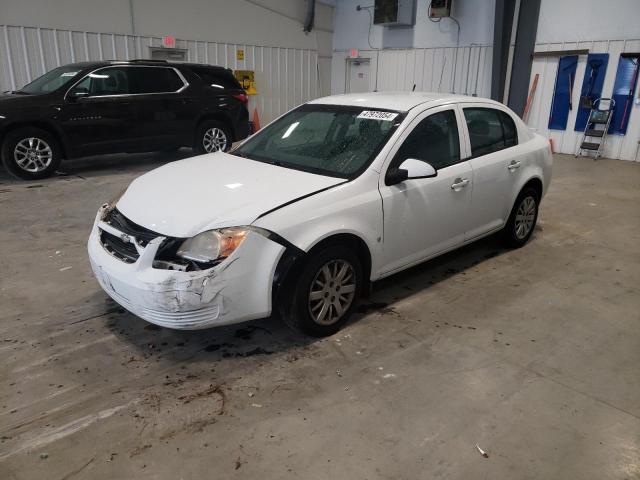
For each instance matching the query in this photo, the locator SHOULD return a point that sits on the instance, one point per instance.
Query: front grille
(117, 247)
(121, 223)
(127, 252)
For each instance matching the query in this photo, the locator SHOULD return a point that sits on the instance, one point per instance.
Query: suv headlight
(212, 245)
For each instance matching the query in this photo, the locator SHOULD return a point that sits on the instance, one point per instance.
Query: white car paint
(239, 289)
(401, 225)
(216, 190)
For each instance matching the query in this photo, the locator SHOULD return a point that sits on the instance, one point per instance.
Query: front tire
(31, 153)
(325, 293)
(523, 218)
(212, 136)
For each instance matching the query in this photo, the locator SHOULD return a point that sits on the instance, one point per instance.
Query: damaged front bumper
(235, 290)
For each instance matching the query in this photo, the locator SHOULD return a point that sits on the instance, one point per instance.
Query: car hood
(186, 197)
(11, 101)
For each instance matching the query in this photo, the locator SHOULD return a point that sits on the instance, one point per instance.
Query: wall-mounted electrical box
(394, 13)
(440, 8)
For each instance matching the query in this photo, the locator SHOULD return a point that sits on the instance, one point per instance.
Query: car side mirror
(395, 176)
(418, 168)
(408, 169)
(78, 93)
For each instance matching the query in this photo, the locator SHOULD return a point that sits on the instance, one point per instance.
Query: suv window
(216, 78)
(154, 80)
(435, 140)
(107, 81)
(50, 81)
(490, 130)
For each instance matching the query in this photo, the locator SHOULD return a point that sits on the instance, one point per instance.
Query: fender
(355, 209)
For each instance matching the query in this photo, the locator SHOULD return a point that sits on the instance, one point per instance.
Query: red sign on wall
(169, 41)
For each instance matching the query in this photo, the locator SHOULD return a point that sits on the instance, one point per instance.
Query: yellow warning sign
(240, 54)
(247, 81)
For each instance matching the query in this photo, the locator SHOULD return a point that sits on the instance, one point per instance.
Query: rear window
(217, 78)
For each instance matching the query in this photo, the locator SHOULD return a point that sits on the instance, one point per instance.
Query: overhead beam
(560, 53)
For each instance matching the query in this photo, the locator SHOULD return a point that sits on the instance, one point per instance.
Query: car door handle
(513, 165)
(459, 183)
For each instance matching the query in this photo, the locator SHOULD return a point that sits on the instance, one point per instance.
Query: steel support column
(501, 40)
(523, 54)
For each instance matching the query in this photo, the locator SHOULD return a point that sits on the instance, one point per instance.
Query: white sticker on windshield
(69, 74)
(378, 115)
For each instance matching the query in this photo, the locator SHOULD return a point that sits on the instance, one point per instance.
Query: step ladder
(596, 136)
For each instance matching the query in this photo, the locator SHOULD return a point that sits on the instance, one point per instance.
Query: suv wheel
(326, 292)
(523, 218)
(212, 136)
(30, 153)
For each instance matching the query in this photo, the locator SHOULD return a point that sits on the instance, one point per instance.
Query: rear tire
(212, 136)
(523, 218)
(30, 153)
(325, 292)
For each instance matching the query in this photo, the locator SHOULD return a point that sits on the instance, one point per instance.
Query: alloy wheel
(332, 292)
(214, 140)
(33, 154)
(525, 216)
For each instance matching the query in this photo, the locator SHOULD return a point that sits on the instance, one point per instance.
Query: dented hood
(186, 197)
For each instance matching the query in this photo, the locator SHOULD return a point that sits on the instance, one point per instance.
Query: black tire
(206, 126)
(296, 307)
(515, 234)
(31, 170)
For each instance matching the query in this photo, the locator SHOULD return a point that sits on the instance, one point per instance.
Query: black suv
(119, 106)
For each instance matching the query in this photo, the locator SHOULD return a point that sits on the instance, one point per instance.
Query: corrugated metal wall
(465, 70)
(565, 141)
(285, 77)
(432, 69)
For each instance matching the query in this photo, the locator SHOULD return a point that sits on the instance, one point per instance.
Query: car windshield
(50, 81)
(331, 140)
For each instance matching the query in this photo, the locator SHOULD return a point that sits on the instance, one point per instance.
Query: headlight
(213, 244)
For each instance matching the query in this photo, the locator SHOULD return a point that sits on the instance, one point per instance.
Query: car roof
(105, 63)
(400, 101)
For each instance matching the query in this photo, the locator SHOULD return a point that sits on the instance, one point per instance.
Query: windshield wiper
(21, 92)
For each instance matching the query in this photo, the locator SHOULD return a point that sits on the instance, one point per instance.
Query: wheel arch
(43, 125)
(219, 116)
(292, 262)
(536, 184)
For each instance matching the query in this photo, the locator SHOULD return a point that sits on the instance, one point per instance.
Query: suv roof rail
(147, 60)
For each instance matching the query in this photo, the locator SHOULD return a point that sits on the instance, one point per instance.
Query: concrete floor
(532, 354)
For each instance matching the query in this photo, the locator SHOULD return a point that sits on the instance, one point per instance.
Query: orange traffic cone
(256, 120)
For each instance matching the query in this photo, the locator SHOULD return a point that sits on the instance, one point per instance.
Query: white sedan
(337, 193)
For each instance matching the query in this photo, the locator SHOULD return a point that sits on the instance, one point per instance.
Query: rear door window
(510, 132)
(154, 80)
(490, 130)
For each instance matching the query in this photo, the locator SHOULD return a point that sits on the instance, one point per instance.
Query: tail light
(241, 97)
